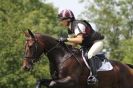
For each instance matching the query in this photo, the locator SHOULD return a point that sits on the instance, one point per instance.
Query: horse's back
(124, 74)
(121, 76)
(130, 65)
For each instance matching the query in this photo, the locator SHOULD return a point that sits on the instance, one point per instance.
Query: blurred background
(113, 18)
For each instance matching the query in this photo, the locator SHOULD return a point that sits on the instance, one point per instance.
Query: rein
(72, 54)
(54, 47)
(48, 51)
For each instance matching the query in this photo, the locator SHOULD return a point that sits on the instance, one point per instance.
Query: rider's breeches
(95, 49)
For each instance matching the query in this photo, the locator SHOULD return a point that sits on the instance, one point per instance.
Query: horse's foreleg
(44, 82)
(68, 81)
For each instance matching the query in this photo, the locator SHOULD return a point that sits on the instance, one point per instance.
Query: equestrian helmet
(66, 14)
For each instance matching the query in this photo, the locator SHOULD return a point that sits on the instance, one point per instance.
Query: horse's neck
(62, 53)
(56, 55)
(54, 50)
(55, 58)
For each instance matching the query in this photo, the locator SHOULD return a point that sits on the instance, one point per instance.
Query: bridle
(34, 53)
(47, 51)
(33, 57)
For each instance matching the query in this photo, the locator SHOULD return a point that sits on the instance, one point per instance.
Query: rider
(84, 35)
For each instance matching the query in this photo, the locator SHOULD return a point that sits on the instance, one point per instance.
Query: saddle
(97, 59)
(100, 61)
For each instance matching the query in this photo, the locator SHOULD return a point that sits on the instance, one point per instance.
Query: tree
(17, 16)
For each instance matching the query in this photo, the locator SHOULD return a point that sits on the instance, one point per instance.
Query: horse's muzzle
(26, 66)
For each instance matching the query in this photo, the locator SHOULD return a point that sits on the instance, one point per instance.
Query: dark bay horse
(67, 68)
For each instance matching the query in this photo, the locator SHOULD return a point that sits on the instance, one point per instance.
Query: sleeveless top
(89, 35)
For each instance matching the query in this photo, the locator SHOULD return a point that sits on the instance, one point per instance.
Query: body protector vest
(90, 36)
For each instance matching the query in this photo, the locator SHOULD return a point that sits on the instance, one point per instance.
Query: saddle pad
(106, 66)
(100, 62)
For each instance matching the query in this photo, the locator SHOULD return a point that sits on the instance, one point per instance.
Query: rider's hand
(63, 39)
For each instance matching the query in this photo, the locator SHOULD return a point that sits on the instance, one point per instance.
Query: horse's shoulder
(75, 51)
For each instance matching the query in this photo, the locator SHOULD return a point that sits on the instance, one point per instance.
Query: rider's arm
(78, 39)
(78, 31)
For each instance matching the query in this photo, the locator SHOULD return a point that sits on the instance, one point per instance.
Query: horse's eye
(30, 47)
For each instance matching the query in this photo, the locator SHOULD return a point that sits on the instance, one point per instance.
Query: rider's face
(64, 22)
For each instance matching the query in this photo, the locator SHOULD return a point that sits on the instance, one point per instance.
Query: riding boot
(92, 78)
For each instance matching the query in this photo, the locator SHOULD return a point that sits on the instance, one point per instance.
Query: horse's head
(37, 44)
(33, 50)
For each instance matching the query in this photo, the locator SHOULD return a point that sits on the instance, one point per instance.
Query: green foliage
(17, 16)
(114, 19)
(126, 47)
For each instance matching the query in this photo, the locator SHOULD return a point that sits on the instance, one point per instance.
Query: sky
(73, 5)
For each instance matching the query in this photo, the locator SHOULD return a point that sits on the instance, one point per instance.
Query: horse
(67, 67)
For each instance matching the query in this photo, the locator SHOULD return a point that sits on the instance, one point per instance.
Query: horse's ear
(26, 34)
(31, 34)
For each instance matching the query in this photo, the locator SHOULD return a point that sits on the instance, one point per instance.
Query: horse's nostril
(25, 68)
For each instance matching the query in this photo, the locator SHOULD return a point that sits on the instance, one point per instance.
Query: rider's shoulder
(79, 23)
(82, 22)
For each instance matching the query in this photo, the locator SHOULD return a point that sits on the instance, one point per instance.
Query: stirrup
(92, 80)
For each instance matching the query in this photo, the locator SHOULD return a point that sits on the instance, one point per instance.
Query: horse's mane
(130, 65)
(44, 37)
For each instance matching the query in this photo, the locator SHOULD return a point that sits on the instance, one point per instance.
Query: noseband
(36, 46)
(47, 51)
(34, 56)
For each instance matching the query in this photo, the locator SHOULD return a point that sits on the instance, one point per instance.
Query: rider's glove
(63, 39)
